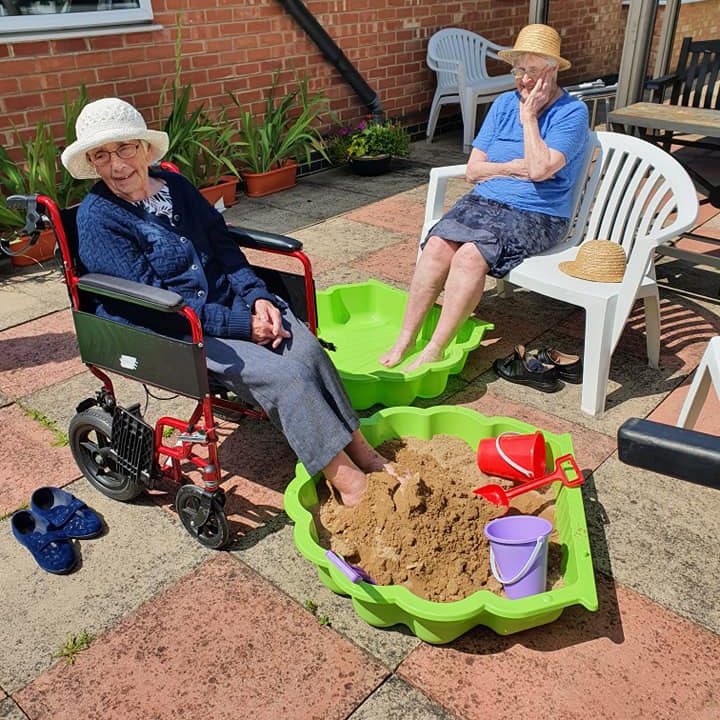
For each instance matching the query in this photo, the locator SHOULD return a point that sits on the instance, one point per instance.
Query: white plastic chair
(636, 195)
(459, 59)
(706, 375)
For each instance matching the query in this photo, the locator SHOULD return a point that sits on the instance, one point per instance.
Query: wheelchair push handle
(33, 218)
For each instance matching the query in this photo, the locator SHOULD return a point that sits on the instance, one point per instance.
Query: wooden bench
(693, 84)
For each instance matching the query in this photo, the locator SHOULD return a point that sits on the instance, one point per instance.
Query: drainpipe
(317, 33)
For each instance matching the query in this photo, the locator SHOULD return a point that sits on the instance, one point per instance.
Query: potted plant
(369, 148)
(38, 172)
(270, 146)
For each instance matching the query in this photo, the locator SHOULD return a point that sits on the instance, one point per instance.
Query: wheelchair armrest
(132, 292)
(669, 450)
(260, 240)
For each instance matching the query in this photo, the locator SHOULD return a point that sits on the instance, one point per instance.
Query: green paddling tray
(434, 622)
(362, 321)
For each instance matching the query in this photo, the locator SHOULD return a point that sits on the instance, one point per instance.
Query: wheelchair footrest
(133, 441)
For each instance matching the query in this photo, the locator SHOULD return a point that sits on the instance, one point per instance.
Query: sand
(427, 532)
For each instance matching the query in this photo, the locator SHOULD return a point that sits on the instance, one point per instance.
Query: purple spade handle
(354, 573)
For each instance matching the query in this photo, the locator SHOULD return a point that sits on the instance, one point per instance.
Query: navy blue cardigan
(192, 254)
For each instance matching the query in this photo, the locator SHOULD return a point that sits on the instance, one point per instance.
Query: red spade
(500, 496)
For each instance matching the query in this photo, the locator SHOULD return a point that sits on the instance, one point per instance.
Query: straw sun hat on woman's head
(104, 121)
(536, 40)
(597, 260)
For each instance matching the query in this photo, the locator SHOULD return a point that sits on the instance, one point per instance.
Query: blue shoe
(50, 548)
(65, 513)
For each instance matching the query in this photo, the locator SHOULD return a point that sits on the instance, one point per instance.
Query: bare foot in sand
(430, 354)
(394, 356)
(347, 479)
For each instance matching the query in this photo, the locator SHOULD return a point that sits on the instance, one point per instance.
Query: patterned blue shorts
(504, 235)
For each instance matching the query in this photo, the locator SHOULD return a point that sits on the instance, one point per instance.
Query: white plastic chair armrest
(437, 190)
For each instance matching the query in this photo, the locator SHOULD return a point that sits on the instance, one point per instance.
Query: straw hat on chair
(536, 40)
(597, 260)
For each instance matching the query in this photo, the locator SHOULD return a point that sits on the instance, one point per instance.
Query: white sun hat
(106, 121)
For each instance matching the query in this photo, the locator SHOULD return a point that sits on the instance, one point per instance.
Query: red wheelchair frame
(200, 509)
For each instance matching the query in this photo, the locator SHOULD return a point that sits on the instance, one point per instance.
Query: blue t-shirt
(563, 127)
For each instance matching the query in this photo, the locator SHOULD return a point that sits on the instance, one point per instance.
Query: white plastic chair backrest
(459, 45)
(637, 195)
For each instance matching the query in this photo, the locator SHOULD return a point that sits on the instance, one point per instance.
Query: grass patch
(22, 506)
(74, 645)
(61, 438)
(312, 608)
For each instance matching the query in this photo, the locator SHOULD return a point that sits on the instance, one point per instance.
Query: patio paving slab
(142, 552)
(395, 262)
(259, 655)
(4, 400)
(59, 401)
(10, 711)
(265, 217)
(398, 214)
(396, 700)
(38, 353)
(342, 240)
(669, 409)
(631, 659)
(31, 293)
(277, 560)
(658, 536)
(29, 460)
(634, 388)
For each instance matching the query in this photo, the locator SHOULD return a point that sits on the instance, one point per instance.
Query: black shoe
(527, 370)
(569, 367)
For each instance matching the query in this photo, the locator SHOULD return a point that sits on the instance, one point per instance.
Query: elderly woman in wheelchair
(145, 225)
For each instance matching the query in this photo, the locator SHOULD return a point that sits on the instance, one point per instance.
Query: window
(48, 16)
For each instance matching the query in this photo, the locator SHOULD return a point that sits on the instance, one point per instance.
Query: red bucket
(513, 456)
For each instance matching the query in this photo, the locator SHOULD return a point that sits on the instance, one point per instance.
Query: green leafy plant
(202, 146)
(61, 438)
(74, 645)
(287, 129)
(368, 139)
(38, 169)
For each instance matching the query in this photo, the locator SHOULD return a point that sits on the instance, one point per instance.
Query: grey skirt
(504, 235)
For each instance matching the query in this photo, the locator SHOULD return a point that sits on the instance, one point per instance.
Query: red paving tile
(37, 354)
(222, 643)
(685, 327)
(399, 214)
(28, 459)
(396, 262)
(631, 659)
(285, 263)
(669, 409)
(591, 448)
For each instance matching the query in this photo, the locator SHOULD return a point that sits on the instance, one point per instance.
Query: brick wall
(234, 45)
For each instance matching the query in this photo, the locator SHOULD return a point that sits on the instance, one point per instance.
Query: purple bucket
(518, 553)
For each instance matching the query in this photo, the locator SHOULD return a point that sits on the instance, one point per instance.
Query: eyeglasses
(124, 152)
(533, 73)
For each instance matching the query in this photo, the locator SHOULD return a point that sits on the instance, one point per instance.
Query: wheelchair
(117, 451)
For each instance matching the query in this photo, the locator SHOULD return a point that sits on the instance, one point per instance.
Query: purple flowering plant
(368, 138)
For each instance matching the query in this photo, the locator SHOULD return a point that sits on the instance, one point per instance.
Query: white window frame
(69, 21)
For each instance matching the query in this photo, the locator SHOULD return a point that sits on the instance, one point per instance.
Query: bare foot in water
(394, 356)
(430, 354)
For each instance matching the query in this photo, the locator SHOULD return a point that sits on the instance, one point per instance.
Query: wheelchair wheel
(89, 435)
(202, 516)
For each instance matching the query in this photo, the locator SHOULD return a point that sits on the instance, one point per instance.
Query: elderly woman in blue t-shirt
(524, 164)
(142, 224)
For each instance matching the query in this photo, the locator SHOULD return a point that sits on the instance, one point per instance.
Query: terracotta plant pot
(43, 249)
(260, 184)
(370, 165)
(225, 189)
